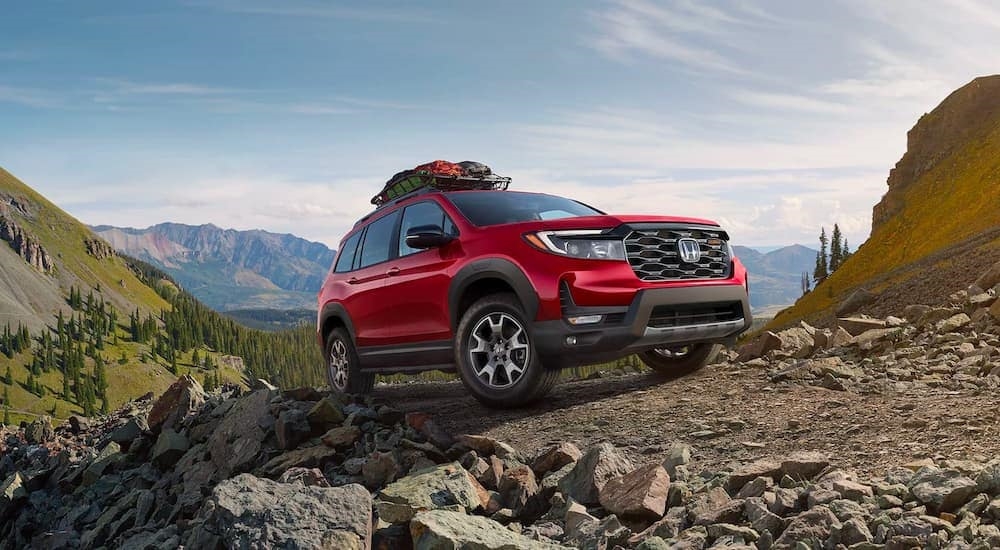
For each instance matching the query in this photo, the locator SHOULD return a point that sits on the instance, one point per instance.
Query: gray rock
(380, 469)
(130, 430)
(39, 431)
(653, 543)
(242, 513)
(597, 534)
(108, 456)
(598, 464)
(953, 323)
(236, 442)
(291, 429)
(308, 457)
(680, 454)
(447, 486)
(857, 325)
(169, 447)
(804, 465)
(716, 506)
(942, 490)
(325, 414)
(11, 491)
(448, 530)
(811, 527)
(342, 436)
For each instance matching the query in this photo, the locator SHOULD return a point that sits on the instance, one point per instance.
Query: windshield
(494, 207)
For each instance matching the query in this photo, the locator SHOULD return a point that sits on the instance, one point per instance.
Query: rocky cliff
(966, 116)
(26, 246)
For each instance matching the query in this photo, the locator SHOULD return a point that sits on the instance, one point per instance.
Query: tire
(495, 354)
(681, 360)
(343, 368)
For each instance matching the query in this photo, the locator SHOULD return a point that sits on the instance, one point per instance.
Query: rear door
(418, 280)
(367, 303)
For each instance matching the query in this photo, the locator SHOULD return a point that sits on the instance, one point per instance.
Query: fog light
(571, 340)
(584, 319)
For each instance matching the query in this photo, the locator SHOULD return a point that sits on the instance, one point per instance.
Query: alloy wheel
(338, 365)
(499, 350)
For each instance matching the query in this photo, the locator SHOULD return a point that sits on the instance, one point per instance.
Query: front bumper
(642, 326)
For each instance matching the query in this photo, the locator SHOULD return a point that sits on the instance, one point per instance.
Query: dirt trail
(728, 413)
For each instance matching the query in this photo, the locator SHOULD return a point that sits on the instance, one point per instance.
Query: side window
(346, 257)
(423, 213)
(378, 240)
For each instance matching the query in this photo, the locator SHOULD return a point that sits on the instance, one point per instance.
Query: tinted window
(378, 240)
(423, 213)
(346, 257)
(493, 207)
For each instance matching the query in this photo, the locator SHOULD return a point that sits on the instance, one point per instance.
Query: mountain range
(776, 276)
(228, 269)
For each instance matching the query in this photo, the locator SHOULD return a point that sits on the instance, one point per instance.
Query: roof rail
(423, 182)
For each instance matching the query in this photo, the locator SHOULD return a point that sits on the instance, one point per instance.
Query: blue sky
(773, 118)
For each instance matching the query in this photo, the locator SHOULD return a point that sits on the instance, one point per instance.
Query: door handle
(353, 281)
(393, 271)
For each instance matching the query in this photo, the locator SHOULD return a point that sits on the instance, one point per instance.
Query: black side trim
(335, 310)
(402, 357)
(492, 268)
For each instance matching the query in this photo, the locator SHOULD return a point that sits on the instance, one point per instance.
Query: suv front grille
(700, 314)
(654, 254)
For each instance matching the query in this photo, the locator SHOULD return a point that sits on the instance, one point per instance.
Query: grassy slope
(63, 237)
(957, 199)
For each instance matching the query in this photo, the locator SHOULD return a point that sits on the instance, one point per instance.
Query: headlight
(588, 244)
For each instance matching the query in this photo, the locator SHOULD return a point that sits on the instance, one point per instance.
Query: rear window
(345, 260)
(498, 207)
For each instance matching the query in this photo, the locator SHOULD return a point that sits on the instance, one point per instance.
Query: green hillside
(943, 201)
(83, 329)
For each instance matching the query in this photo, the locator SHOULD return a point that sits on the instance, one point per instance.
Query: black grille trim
(654, 256)
(694, 314)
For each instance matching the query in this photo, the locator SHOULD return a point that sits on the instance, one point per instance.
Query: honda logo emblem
(690, 250)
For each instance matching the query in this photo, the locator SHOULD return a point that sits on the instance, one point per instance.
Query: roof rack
(424, 181)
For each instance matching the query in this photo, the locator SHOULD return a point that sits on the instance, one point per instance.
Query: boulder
(804, 465)
(325, 414)
(11, 492)
(990, 278)
(953, 323)
(995, 310)
(749, 472)
(639, 493)
(517, 489)
(236, 441)
(109, 455)
(857, 325)
(759, 347)
(291, 429)
(810, 528)
(242, 513)
(446, 530)
(555, 457)
(716, 506)
(941, 490)
(679, 455)
(380, 469)
(839, 338)
(598, 464)
(447, 486)
(342, 436)
(182, 399)
(170, 446)
(39, 431)
(130, 430)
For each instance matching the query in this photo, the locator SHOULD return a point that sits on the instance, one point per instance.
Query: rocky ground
(877, 433)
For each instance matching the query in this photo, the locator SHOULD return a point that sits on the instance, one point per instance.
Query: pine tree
(805, 282)
(821, 270)
(196, 358)
(845, 252)
(836, 250)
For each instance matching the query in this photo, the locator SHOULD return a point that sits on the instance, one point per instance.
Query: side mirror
(427, 236)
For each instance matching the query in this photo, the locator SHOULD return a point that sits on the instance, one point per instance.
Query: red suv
(507, 288)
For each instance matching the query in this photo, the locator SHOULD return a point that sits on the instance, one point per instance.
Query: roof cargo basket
(443, 176)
